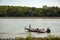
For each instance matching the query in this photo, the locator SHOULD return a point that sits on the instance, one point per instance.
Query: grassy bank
(49, 37)
(34, 38)
(30, 37)
(39, 38)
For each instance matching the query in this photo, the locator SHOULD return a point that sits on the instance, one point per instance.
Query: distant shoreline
(29, 17)
(20, 11)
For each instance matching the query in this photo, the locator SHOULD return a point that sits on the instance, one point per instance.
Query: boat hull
(34, 30)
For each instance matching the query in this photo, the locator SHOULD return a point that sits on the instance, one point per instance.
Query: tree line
(19, 11)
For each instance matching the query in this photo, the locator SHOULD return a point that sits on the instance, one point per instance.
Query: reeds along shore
(33, 38)
(30, 37)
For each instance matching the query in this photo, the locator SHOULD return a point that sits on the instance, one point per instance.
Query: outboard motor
(48, 30)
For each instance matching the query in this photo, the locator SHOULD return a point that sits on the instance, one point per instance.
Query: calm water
(14, 27)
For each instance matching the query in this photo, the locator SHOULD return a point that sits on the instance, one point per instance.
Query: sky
(30, 3)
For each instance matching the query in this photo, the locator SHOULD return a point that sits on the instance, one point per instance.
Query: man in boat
(37, 29)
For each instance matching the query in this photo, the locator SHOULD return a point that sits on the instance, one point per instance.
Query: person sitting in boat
(37, 29)
(48, 30)
(42, 30)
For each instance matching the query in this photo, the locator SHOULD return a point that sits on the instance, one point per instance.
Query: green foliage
(34, 38)
(18, 11)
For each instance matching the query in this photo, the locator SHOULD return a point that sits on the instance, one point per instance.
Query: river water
(14, 27)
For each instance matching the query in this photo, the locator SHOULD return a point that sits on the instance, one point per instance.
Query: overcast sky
(30, 3)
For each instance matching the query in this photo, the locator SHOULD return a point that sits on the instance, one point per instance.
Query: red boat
(38, 30)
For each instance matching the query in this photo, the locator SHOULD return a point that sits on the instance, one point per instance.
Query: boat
(38, 30)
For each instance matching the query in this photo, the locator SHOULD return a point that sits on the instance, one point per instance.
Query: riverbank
(29, 17)
(33, 38)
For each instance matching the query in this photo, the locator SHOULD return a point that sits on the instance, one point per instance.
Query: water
(14, 27)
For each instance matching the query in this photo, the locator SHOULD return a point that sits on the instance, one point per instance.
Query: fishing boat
(38, 30)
